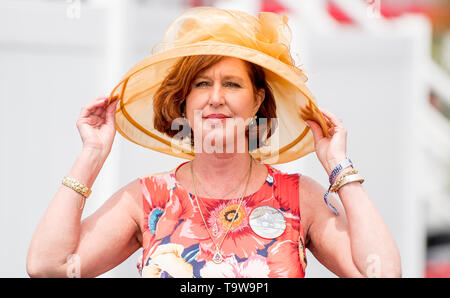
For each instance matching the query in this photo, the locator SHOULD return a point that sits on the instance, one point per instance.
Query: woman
(226, 212)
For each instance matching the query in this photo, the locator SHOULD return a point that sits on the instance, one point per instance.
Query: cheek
(192, 105)
(195, 98)
(241, 107)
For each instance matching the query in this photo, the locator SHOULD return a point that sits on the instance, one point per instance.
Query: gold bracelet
(348, 179)
(77, 186)
(338, 182)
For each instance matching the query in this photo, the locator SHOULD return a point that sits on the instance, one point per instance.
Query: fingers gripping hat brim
(291, 140)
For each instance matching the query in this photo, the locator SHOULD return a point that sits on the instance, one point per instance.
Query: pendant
(217, 257)
(267, 222)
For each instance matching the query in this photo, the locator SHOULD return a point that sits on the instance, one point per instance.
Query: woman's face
(224, 88)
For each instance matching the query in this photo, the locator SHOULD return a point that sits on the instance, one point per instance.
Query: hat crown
(268, 33)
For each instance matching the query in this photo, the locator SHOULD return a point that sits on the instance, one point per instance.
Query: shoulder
(311, 195)
(132, 193)
(285, 179)
(136, 193)
(158, 190)
(138, 188)
(308, 187)
(156, 184)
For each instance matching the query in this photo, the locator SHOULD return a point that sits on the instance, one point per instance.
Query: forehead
(228, 66)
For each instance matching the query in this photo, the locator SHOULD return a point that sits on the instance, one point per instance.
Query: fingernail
(307, 124)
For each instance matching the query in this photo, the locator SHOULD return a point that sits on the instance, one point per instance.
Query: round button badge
(267, 222)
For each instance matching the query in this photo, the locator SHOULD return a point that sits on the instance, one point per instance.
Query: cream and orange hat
(263, 40)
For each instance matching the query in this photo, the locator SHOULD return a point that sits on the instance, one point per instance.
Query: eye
(232, 84)
(202, 84)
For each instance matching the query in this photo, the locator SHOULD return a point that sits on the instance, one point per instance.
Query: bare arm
(105, 238)
(101, 242)
(355, 243)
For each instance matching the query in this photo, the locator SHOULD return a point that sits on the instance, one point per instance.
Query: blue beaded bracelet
(342, 165)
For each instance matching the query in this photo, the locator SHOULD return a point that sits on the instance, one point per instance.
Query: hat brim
(294, 103)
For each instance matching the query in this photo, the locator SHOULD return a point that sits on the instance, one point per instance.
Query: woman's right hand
(96, 125)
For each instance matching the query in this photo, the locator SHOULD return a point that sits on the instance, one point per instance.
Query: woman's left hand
(330, 151)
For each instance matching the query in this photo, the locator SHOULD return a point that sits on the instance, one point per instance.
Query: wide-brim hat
(263, 40)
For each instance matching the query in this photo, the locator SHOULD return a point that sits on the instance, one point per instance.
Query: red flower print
(279, 265)
(240, 240)
(175, 219)
(164, 206)
(286, 188)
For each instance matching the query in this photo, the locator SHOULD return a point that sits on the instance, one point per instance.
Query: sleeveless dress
(176, 243)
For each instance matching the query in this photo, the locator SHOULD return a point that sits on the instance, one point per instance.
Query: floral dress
(176, 243)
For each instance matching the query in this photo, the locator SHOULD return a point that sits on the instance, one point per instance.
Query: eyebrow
(227, 77)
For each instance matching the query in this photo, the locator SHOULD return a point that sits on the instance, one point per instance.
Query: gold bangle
(77, 186)
(350, 178)
(337, 183)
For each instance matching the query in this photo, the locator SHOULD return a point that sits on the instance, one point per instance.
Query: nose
(217, 96)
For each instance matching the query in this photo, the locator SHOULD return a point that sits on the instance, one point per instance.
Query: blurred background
(382, 66)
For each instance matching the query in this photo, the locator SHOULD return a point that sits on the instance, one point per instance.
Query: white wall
(52, 64)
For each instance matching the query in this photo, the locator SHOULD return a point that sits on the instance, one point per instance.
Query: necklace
(218, 258)
(231, 191)
(215, 229)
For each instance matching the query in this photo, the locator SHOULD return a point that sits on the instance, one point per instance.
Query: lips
(219, 116)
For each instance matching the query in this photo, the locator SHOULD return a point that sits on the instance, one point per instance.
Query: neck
(225, 167)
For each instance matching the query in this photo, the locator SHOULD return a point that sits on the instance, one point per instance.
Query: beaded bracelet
(337, 183)
(334, 173)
